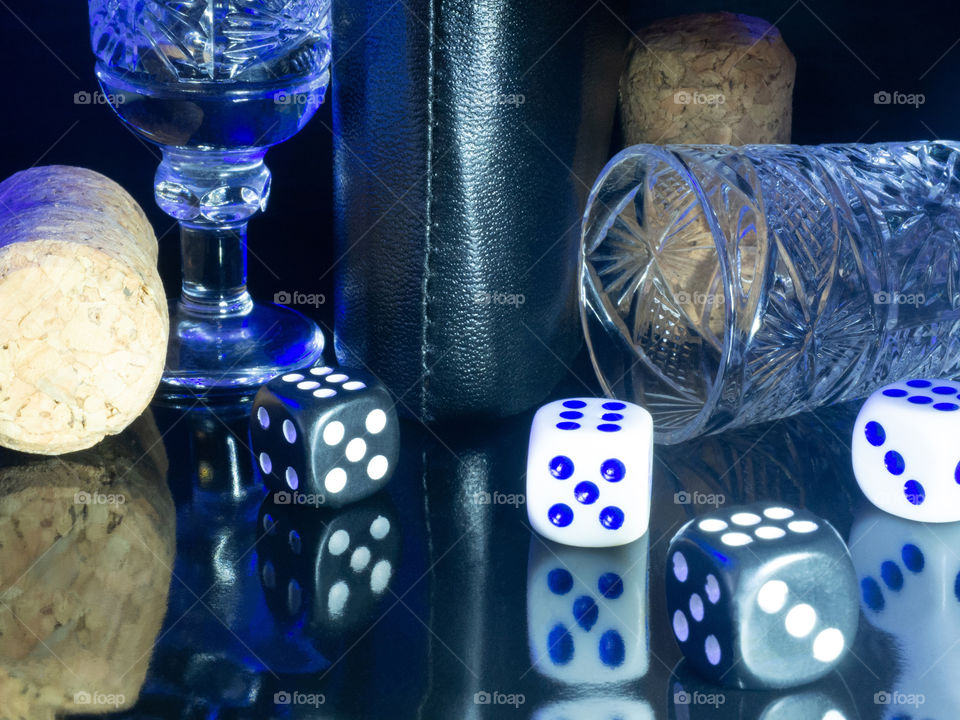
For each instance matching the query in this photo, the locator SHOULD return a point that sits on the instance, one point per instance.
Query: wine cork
(87, 543)
(713, 78)
(710, 78)
(83, 317)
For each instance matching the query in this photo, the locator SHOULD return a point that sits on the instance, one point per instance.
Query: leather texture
(467, 135)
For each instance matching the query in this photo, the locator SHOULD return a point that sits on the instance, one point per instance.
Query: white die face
(596, 708)
(905, 454)
(586, 612)
(909, 575)
(588, 471)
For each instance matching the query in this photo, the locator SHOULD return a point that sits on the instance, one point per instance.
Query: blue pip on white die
(909, 575)
(587, 612)
(906, 457)
(589, 466)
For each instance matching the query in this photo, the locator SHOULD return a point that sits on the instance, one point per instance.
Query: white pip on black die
(589, 465)
(332, 574)
(331, 433)
(905, 452)
(761, 596)
(587, 612)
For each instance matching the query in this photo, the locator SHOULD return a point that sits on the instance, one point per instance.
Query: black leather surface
(468, 133)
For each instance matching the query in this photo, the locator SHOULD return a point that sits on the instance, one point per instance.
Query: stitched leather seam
(428, 220)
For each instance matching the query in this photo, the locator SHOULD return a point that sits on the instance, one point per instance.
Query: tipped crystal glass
(214, 85)
(723, 286)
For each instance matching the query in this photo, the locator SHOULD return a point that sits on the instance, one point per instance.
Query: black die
(329, 570)
(761, 596)
(329, 435)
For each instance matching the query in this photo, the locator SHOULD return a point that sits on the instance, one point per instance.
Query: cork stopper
(83, 317)
(709, 78)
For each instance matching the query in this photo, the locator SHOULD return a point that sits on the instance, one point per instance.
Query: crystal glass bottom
(725, 286)
(232, 355)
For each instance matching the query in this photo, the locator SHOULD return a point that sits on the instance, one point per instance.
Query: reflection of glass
(217, 655)
(587, 612)
(725, 286)
(690, 697)
(802, 461)
(215, 85)
(327, 571)
(909, 575)
(86, 546)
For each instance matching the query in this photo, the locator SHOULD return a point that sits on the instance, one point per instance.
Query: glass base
(226, 359)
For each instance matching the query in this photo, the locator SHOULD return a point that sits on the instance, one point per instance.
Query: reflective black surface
(456, 630)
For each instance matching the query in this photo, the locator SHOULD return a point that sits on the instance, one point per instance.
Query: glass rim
(597, 220)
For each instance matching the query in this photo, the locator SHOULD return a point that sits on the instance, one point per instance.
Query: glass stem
(214, 264)
(213, 193)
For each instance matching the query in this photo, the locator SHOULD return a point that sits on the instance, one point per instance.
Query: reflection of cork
(83, 317)
(86, 549)
(715, 78)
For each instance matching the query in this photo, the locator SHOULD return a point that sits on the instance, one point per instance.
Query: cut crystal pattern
(724, 286)
(241, 40)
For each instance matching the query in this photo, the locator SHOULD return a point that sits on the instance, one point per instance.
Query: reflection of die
(905, 454)
(596, 708)
(909, 576)
(331, 433)
(586, 612)
(332, 568)
(588, 471)
(761, 596)
(690, 698)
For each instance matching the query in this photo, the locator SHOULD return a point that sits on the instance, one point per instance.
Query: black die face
(332, 575)
(355, 443)
(701, 607)
(336, 426)
(786, 592)
(277, 439)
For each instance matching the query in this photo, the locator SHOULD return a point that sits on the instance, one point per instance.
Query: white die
(588, 471)
(909, 576)
(905, 452)
(587, 612)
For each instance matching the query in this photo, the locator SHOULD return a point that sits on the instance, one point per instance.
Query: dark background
(845, 53)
